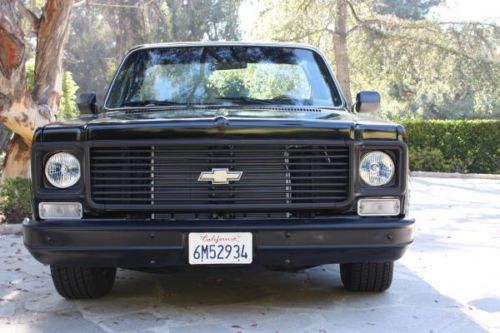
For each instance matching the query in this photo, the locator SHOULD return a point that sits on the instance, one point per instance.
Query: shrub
(467, 146)
(15, 199)
(427, 159)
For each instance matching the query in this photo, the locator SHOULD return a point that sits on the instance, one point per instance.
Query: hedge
(15, 199)
(465, 146)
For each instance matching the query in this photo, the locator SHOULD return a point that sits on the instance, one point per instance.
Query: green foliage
(429, 159)
(428, 71)
(467, 146)
(424, 69)
(406, 9)
(203, 19)
(67, 107)
(100, 35)
(227, 83)
(30, 73)
(262, 81)
(15, 199)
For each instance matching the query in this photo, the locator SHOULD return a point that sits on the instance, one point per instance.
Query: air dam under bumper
(141, 244)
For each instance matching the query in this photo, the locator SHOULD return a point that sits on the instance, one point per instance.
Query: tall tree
(68, 108)
(423, 68)
(323, 23)
(340, 49)
(90, 54)
(204, 19)
(97, 46)
(23, 109)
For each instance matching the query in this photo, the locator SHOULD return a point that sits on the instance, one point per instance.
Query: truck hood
(196, 123)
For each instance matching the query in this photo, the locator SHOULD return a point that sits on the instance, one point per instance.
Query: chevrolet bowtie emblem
(220, 176)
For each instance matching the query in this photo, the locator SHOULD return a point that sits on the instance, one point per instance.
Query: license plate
(206, 248)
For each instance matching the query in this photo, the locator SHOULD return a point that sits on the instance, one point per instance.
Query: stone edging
(454, 175)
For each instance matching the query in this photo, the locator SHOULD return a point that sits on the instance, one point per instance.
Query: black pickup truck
(220, 154)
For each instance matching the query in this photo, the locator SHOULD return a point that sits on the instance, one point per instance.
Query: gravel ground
(447, 282)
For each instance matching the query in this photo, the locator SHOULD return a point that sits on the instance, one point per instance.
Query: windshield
(222, 75)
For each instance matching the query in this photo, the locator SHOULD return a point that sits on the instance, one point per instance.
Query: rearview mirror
(367, 101)
(87, 103)
(230, 65)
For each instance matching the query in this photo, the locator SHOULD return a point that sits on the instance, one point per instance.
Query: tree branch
(430, 43)
(353, 11)
(414, 24)
(11, 46)
(306, 34)
(28, 14)
(100, 4)
(51, 38)
(485, 24)
(357, 19)
(356, 27)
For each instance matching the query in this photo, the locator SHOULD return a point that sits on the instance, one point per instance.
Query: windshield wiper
(152, 103)
(246, 100)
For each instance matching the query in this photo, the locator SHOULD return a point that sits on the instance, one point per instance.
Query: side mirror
(87, 103)
(367, 101)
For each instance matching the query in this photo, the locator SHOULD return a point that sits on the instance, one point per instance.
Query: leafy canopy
(423, 68)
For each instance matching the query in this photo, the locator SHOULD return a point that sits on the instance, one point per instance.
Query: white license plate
(206, 248)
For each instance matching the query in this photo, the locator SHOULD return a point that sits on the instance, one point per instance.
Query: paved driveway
(448, 282)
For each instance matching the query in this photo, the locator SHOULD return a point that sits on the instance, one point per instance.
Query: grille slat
(234, 164)
(209, 164)
(228, 191)
(100, 158)
(119, 150)
(212, 199)
(163, 176)
(176, 185)
(261, 170)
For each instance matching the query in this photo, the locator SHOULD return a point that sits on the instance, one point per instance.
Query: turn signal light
(379, 207)
(60, 210)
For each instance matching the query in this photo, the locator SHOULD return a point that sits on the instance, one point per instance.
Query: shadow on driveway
(257, 300)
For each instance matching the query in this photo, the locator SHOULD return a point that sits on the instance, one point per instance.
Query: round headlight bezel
(378, 159)
(75, 165)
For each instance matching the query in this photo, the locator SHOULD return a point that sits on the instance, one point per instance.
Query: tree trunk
(51, 37)
(340, 49)
(127, 35)
(20, 110)
(17, 163)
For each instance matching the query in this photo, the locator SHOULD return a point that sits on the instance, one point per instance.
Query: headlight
(62, 170)
(376, 168)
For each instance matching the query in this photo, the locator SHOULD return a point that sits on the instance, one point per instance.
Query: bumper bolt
(153, 262)
(389, 236)
(288, 234)
(287, 261)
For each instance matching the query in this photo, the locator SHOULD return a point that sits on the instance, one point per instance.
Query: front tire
(75, 282)
(368, 277)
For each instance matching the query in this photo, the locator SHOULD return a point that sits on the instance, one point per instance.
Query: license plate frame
(220, 248)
